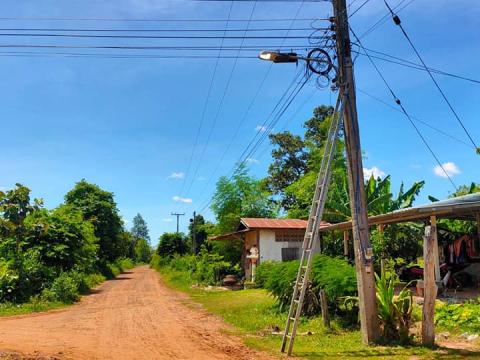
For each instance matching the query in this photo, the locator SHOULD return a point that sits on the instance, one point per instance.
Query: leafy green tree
(140, 229)
(171, 244)
(289, 163)
(62, 239)
(15, 206)
(202, 230)
(143, 251)
(98, 206)
(241, 196)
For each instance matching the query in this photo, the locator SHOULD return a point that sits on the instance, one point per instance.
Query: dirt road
(132, 317)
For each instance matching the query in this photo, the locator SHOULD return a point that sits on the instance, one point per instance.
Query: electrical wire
(215, 119)
(413, 65)
(407, 115)
(204, 109)
(153, 30)
(416, 119)
(254, 143)
(169, 37)
(359, 8)
(384, 18)
(4, 18)
(247, 111)
(444, 96)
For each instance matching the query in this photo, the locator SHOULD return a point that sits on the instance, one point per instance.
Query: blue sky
(130, 125)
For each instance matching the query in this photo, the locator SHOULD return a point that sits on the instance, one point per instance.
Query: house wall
(271, 249)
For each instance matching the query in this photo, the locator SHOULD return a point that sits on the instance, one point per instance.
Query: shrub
(8, 280)
(64, 289)
(124, 264)
(209, 267)
(395, 312)
(334, 275)
(460, 317)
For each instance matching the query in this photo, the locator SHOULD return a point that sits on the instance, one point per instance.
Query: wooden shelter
(465, 207)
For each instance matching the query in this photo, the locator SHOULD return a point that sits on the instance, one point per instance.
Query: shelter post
(434, 232)
(430, 288)
(346, 241)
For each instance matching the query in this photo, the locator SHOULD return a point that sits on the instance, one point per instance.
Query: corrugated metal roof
(461, 207)
(263, 223)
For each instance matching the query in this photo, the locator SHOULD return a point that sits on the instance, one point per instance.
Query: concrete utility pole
(178, 218)
(194, 234)
(363, 252)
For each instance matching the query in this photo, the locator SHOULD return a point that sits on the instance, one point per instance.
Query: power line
(407, 115)
(397, 22)
(413, 65)
(178, 37)
(205, 104)
(384, 18)
(266, 124)
(155, 20)
(359, 8)
(129, 47)
(247, 111)
(156, 30)
(215, 119)
(415, 118)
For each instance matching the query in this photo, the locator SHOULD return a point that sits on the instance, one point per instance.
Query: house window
(289, 236)
(290, 254)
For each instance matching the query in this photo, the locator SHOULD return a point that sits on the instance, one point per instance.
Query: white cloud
(181, 199)
(176, 175)
(261, 128)
(375, 171)
(450, 168)
(416, 166)
(167, 219)
(252, 161)
(201, 178)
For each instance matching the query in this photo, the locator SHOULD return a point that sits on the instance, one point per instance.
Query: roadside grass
(254, 317)
(9, 309)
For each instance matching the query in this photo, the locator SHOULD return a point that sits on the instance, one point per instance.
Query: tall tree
(171, 244)
(15, 206)
(241, 196)
(98, 206)
(140, 229)
(197, 227)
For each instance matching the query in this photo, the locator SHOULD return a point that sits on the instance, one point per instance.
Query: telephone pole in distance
(178, 219)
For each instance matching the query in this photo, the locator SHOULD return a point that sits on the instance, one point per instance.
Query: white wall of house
(271, 249)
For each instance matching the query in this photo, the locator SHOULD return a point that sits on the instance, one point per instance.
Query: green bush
(209, 268)
(459, 317)
(64, 289)
(8, 280)
(205, 268)
(335, 275)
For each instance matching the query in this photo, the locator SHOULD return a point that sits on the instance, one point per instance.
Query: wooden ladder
(312, 234)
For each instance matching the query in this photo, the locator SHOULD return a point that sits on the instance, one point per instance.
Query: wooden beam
(382, 260)
(429, 289)
(436, 258)
(324, 306)
(476, 243)
(346, 244)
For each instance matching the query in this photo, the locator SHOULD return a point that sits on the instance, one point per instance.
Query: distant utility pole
(363, 250)
(194, 234)
(178, 219)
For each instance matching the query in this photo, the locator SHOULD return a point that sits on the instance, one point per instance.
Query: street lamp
(318, 60)
(278, 57)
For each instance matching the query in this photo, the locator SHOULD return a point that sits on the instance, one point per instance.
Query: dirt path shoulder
(132, 317)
